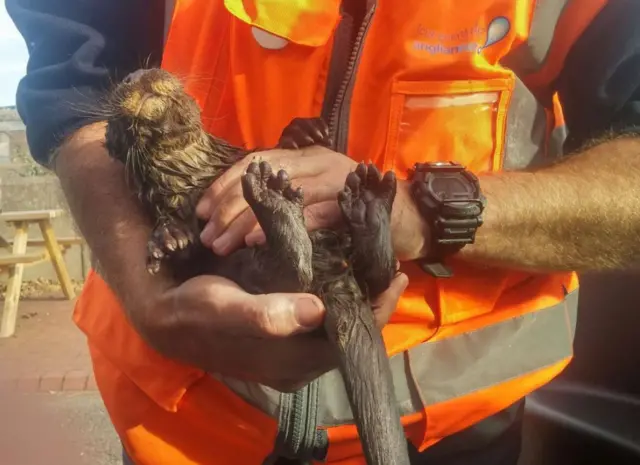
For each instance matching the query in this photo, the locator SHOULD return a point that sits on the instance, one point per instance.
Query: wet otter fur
(154, 128)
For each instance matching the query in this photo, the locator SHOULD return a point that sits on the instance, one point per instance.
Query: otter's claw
(167, 238)
(305, 132)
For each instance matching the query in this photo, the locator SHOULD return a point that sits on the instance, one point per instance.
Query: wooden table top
(31, 215)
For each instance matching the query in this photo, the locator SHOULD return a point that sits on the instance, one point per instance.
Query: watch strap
(453, 221)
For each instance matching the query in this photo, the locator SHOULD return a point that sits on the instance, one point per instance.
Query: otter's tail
(365, 368)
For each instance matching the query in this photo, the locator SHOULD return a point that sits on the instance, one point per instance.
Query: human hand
(410, 234)
(211, 323)
(319, 171)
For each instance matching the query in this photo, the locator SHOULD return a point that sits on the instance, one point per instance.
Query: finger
(217, 191)
(227, 209)
(255, 237)
(228, 180)
(319, 216)
(225, 201)
(323, 212)
(233, 207)
(316, 191)
(386, 303)
(234, 236)
(322, 215)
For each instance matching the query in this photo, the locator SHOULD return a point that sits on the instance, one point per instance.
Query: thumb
(282, 315)
(386, 303)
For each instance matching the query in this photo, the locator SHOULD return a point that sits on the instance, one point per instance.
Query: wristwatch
(449, 199)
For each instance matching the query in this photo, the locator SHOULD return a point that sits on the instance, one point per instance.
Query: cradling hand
(212, 323)
(321, 173)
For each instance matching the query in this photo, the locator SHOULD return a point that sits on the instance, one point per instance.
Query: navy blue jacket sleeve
(599, 86)
(77, 49)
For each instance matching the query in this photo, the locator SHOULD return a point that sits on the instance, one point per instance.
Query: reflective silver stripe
(438, 371)
(526, 132)
(527, 125)
(526, 135)
(556, 142)
(531, 55)
(169, 5)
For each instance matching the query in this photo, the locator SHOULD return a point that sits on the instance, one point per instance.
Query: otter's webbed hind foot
(278, 208)
(366, 202)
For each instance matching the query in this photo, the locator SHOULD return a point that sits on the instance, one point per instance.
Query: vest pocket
(463, 121)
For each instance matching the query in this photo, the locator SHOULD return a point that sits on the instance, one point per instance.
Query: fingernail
(221, 244)
(208, 233)
(255, 238)
(308, 312)
(203, 208)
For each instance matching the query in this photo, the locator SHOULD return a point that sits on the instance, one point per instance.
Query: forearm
(109, 217)
(582, 214)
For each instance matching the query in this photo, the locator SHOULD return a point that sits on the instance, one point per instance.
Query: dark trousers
(494, 441)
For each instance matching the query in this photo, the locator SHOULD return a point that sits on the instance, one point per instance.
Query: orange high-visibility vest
(425, 81)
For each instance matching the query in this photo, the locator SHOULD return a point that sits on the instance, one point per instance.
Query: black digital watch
(449, 199)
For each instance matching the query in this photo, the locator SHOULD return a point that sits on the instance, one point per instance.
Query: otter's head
(154, 128)
(150, 111)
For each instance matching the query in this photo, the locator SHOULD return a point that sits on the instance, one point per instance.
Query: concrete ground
(56, 409)
(82, 416)
(47, 352)
(59, 428)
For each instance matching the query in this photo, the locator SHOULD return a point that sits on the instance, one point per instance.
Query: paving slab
(47, 352)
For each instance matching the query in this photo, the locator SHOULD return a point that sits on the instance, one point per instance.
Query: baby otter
(155, 129)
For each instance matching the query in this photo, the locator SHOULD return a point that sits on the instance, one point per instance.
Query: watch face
(454, 186)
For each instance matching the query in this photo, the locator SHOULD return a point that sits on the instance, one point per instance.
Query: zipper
(339, 116)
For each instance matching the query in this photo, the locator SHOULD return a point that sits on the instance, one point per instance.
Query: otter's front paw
(305, 132)
(167, 239)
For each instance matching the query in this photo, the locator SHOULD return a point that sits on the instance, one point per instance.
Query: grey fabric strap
(298, 422)
(126, 460)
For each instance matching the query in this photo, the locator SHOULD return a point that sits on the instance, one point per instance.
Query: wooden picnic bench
(49, 248)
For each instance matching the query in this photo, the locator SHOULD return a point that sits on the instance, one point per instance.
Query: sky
(13, 58)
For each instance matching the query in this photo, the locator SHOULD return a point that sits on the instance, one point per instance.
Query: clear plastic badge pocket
(463, 121)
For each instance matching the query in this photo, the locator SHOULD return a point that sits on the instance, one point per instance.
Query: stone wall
(26, 186)
(41, 193)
